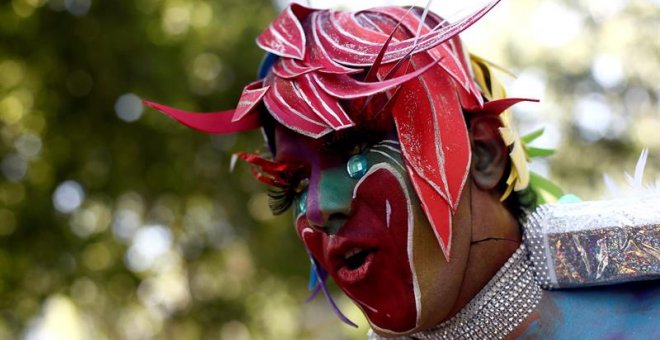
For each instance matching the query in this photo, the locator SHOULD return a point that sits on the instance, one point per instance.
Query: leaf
(538, 152)
(345, 87)
(213, 122)
(346, 50)
(433, 134)
(284, 36)
(539, 182)
(532, 136)
(292, 111)
(373, 70)
(289, 68)
(250, 98)
(322, 104)
(497, 106)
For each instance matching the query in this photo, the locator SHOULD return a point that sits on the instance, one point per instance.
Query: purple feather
(323, 275)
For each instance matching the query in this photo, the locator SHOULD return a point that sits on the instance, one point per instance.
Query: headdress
(327, 71)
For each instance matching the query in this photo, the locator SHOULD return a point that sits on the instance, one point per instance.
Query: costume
(588, 245)
(496, 310)
(366, 116)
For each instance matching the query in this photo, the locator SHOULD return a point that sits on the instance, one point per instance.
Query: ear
(489, 154)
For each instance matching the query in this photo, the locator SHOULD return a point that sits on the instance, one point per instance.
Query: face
(360, 219)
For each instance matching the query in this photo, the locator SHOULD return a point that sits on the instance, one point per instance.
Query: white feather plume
(635, 182)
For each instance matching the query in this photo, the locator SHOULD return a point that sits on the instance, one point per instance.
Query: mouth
(355, 264)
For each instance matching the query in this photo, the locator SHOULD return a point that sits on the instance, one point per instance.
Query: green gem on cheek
(357, 166)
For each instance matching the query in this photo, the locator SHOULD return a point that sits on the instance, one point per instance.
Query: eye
(281, 198)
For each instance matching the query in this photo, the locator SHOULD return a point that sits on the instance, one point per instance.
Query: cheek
(382, 203)
(440, 281)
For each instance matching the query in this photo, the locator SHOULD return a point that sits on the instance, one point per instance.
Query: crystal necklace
(504, 303)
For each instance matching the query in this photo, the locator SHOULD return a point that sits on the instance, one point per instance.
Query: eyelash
(281, 198)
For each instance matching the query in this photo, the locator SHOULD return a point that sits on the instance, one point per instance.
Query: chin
(388, 297)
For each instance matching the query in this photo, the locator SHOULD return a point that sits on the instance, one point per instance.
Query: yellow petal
(507, 135)
(519, 160)
(480, 79)
(509, 181)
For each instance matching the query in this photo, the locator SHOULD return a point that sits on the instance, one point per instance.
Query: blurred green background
(117, 223)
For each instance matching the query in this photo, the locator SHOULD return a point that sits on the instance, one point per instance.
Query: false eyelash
(280, 199)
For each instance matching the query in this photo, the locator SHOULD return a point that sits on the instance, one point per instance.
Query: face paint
(368, 260)
(362, 222)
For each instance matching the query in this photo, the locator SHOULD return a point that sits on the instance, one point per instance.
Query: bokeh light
(149, 244)
(129, 107)
(14, 167)
(59, 319)
(607, 70)
(28, 145)
(78, 7)
(68, 196)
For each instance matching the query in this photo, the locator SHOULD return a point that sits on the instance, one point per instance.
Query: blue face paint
(302, 204)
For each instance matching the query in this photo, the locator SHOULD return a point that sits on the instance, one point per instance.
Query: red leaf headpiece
(341, 69)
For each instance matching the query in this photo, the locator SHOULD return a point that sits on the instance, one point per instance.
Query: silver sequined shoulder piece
(595, 243)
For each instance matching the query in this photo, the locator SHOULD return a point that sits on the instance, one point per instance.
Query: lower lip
(351, 276)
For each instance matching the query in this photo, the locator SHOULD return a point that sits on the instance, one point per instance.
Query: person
(394, 150)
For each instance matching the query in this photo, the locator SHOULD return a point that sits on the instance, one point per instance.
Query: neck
(495, 237)
(506, 301)
(503, 304)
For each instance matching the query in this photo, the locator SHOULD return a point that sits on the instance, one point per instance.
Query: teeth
(352, 252)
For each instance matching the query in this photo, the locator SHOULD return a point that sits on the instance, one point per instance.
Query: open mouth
(356, 264)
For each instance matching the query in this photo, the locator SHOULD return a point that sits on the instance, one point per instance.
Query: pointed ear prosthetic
(489, 154)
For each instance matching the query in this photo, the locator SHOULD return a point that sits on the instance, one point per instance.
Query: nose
(329, 198)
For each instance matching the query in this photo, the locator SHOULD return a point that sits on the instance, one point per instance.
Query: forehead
(294, 147)
(291, 146)
(288, 142)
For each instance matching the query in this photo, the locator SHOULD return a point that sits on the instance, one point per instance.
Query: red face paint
(360, 229)
(368, 256)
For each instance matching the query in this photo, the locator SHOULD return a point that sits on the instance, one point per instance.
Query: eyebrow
(345, 139)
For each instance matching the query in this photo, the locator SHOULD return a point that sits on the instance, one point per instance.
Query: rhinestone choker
(504, 303)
